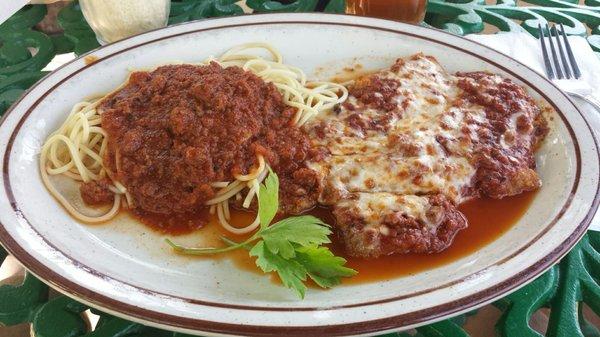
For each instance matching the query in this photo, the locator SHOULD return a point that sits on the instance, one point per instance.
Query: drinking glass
(113, 20)
(409, 11)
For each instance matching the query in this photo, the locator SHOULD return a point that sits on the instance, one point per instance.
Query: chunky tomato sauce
(505, 157)
(173, 131)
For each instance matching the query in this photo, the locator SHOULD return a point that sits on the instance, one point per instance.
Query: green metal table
(563, 292)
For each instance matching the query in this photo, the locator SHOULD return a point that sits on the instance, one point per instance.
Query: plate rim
(67, 77)
(415, 317)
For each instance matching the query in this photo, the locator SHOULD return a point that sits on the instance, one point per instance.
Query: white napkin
(527, 49)
(10, 7)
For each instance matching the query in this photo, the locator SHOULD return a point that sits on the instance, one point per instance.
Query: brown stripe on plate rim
(363, 327)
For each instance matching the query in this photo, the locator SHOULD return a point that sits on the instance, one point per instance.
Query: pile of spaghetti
(78, 148)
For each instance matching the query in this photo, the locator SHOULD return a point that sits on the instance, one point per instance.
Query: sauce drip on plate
(488, 220)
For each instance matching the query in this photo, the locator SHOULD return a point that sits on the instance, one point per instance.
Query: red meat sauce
(173, 131)
(510, 169)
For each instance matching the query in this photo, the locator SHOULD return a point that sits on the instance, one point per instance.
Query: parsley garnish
(291, 247)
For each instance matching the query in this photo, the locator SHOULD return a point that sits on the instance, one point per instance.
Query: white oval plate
(127, 270)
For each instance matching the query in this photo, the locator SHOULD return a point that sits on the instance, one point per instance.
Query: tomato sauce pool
(488, 220)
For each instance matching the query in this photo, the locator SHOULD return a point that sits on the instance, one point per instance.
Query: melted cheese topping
(373, 206)
(424, 174)
(421, 147)
(410, 144)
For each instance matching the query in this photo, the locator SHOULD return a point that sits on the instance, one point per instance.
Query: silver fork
(567, 67)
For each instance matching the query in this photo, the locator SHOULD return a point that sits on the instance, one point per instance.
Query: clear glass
(409, 11)
(113, 20)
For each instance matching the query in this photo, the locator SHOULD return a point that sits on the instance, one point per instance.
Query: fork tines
(566, 67)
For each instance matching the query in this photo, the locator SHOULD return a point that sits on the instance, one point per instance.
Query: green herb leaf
(322, 266)
(290, 247)
(268, 199)
(305, 230)
(291, 273)
(204, 250)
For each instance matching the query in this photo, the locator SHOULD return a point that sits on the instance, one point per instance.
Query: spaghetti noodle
(77, 148)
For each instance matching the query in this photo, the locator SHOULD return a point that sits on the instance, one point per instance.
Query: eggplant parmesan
(411, 143)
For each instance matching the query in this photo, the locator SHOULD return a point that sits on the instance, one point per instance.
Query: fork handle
(591, 100)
